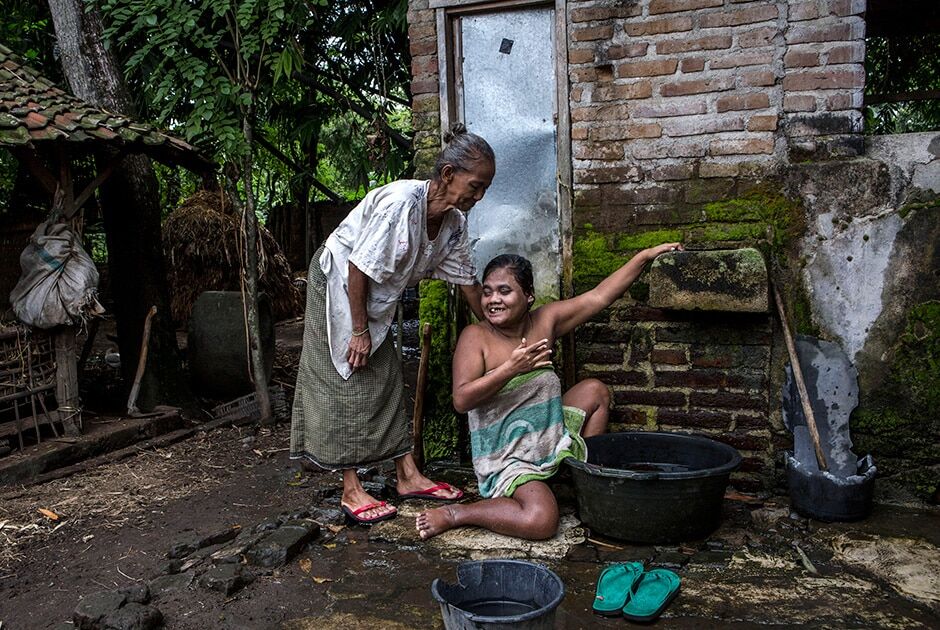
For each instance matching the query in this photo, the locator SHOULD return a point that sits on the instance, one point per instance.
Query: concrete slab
(720, 280)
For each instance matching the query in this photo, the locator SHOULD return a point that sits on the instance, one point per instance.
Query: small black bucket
(649, 487)
(829, 498)
(498, 594)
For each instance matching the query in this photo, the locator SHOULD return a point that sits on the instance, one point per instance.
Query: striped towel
(523, 433)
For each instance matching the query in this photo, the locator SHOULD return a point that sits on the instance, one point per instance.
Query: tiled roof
(33, 109)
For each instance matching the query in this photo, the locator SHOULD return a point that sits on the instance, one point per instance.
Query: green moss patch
(440, 421)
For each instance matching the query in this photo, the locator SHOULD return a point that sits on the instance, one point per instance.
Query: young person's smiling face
(465, 188)
(504, 301)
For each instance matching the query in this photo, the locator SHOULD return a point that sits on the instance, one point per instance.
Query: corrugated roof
(33, 109)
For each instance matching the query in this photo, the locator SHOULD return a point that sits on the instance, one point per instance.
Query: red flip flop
(428, 493)
(354, 514)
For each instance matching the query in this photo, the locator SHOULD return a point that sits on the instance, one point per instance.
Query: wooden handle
(420, 386)
(800, 383)
(141, 363)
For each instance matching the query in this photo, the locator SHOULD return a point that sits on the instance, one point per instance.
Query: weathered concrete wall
(728, 123)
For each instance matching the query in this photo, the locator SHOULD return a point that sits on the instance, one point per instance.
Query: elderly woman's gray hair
(463, 150)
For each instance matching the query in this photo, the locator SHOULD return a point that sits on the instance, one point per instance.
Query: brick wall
(684, 116)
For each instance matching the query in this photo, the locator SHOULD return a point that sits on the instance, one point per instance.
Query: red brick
(647, 27)
(623, 91)
(762, 78)
(637, 49)
(672, 172)
(425, 86)
(718, 169)
(692, 65)
(426, 64)
(426, 103)
(800, 11)
(843, 32)
(598, 151)
(626, 131)
(423, 47)
(617, 175)
(659, 67)
(695, 379)
(744, 421)
(727, 400)
(668, 356)
(576, 93)
(593, 14)
(750, 15)
(688, 108)
(850, 100)
(758, 37)
(824, 80)
(674, 149)
(699, 86)
(579, 133)
(801, 58)
(845, 8)
(799, 103)
(762, 123)
(695, 125)
(745, 441)
(712, 42)
(738, 60)
(739, 102)
(590, 34)
(849, 53)
(628, 416)
(424, 30)
(741, 147)
(605, 112)
(649, 397)
(675, 6)
(694, 418)
(580, 55)
(618, 377)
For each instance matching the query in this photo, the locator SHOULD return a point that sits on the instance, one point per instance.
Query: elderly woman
(521, 425)
(349, 404)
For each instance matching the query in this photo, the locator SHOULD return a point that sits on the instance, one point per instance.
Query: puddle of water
(497, 607)
(654, 467)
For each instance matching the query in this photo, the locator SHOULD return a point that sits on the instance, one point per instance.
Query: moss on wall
(440, 421)
(898, 422)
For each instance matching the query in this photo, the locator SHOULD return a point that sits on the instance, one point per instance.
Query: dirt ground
(112, 527)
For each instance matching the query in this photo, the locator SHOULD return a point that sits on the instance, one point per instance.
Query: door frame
(446, 12)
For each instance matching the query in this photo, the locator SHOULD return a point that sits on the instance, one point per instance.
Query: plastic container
(827, 497)
(500, 594)
(217, 348)
(648, 487)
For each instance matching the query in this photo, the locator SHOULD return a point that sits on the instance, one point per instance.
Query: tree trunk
(250, 221)
(131, 203)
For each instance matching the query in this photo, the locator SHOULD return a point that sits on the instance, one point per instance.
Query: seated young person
(521, 426)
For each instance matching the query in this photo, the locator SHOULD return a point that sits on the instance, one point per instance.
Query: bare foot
(355, 500)
(420, 485)
(436, 521)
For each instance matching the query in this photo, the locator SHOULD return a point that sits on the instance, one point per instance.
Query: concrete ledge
(721, 280)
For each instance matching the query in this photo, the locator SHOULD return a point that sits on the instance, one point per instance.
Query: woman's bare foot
(412, 482)
(436, 521)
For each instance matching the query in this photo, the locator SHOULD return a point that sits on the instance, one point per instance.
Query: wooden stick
(141, 364)
(420, 386)
(800, 384)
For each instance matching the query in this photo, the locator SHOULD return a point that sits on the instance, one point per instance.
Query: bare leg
(410, 479)
(355, 496)
(593, 397)
(531, 513)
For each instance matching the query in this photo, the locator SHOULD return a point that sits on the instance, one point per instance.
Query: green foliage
(900, 65)
(26, 29)
(440, 420)
(203, 63)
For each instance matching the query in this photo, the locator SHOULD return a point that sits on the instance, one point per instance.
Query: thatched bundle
(202, 242)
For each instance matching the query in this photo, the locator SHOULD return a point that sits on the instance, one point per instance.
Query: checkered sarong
(340, 423)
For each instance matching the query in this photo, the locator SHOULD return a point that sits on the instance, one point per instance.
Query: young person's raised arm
(565, 315)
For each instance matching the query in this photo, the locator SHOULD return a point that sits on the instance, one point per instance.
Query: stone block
(723, 280)
(278, 547)
(226, 578)
(95, 607)
(134, 616)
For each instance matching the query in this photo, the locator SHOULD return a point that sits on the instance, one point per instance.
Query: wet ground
(117, 523)
(113, 526)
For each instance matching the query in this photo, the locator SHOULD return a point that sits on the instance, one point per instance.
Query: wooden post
(66, 377)
(420, 386)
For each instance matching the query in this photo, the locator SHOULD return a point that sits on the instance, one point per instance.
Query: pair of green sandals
(626, 589)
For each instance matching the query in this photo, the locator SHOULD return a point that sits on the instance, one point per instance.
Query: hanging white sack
(59, 283)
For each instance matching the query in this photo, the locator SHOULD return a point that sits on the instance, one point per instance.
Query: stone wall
(726, 123)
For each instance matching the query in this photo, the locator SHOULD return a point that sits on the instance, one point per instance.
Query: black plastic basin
(498, 595)
(651, 487)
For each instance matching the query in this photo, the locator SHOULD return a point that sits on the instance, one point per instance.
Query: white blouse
(386, 238)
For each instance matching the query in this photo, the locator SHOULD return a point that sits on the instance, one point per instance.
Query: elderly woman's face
(465, 188)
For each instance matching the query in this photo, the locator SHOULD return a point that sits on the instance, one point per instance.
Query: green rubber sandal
(614, 586)
(654, 592)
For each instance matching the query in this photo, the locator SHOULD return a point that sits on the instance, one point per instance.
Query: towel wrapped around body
(524, 433)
